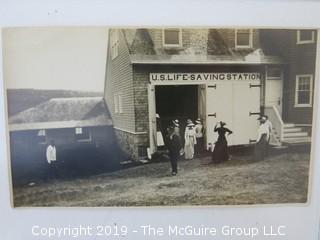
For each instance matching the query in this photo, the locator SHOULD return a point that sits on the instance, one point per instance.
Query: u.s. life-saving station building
(230, 75)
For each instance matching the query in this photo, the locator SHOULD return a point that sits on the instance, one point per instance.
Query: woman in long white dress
(190, 140)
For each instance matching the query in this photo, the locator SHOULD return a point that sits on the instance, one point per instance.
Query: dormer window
(172, 37)
(243, 38)
(305, 36)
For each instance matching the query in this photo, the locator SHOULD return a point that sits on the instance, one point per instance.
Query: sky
(71, 58)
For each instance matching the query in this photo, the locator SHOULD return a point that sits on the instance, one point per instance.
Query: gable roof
(213, 51)
(63, 113)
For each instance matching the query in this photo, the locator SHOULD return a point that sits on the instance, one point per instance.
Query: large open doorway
(172, 102)
(176, 102)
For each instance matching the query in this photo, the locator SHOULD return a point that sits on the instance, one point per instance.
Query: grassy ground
(282, 178)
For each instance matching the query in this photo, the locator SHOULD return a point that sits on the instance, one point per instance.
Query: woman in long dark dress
(220, 152)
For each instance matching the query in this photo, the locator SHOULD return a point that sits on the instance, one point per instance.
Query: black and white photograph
(178, 116)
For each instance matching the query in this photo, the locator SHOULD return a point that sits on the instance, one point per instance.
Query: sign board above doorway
(197, 78)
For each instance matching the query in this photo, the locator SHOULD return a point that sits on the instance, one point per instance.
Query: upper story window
(243, 38)
(305, 36)
(82, 134)
(303, 96)
(172, 37)
(114, 38)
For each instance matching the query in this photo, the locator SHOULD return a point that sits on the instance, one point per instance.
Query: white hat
(176, 122)
(189, 123)
(198, 120)
(157, 115)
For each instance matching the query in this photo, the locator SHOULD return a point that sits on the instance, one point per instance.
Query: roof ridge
(73, 98)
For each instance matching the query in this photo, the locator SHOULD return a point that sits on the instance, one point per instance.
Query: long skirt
(220, 152)
(189, 149)
(260, 150)
(199, 146)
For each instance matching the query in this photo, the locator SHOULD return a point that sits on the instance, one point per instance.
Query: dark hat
(222, 123)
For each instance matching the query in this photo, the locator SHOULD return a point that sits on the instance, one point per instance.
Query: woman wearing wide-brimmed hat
(190, 140)
(220, 152)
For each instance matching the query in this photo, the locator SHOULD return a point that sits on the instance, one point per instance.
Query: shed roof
(63, 113)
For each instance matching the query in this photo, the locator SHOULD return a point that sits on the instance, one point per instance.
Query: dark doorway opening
(177, 102)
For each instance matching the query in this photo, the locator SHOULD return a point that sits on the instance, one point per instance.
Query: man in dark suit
(174, 147)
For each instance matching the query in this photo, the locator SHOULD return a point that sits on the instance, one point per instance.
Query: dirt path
(278, 179)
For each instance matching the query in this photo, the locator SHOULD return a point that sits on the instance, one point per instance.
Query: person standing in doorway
(51, 154)
(199, 136)
(262, 140)
(174, 147)
(220, 152)
(190, 140)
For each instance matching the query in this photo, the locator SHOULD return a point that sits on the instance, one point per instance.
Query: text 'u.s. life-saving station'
(202, 77)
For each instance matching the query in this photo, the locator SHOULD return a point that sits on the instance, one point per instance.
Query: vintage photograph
(102, 117)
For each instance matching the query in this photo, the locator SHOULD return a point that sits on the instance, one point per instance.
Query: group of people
(193, 141)
(177, 146)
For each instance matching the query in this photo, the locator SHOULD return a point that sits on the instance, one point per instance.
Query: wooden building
(80, 127)
(230, 75)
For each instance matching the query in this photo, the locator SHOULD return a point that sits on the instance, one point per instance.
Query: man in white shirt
(263, 129)
(51, 155)
(269, 124)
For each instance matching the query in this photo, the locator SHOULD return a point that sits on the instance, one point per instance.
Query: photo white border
(302, 221)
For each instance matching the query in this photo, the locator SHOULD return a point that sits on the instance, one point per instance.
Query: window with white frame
(82, 134)
(305, 36)
(42, 136)
(114, 43)
(118, 105)
(172, 37)
(243, 38)
(303, 96)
